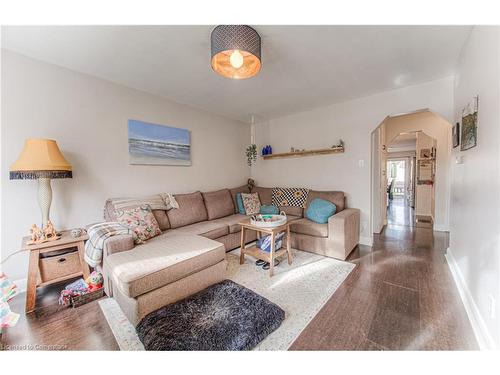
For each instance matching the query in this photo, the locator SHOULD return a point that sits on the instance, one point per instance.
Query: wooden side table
(255, 252)
(53, 261)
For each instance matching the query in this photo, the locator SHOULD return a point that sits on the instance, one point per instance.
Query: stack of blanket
(98, 233)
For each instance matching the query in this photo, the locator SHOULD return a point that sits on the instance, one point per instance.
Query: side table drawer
(61, 265)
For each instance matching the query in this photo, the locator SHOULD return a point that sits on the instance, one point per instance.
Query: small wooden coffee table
(257, 253)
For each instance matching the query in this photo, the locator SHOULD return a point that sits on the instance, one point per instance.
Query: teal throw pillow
(320, 210)
(269, 210)
(239, 203)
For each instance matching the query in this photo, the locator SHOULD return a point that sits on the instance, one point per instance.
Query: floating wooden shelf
(299, 154)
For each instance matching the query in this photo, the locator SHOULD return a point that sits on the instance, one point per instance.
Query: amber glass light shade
(240, 39)
(222, 65)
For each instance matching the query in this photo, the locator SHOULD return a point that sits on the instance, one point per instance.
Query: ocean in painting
(153, 144)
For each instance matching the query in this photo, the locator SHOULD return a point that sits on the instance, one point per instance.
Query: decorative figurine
(37, 235)
(50, 232)
(250, 184)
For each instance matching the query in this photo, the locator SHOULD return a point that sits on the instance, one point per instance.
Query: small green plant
(251, 153)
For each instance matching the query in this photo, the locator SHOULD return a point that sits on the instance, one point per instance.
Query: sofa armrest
(118, 243)
(343, 230)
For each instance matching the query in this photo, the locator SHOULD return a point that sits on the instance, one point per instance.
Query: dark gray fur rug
(225, 316)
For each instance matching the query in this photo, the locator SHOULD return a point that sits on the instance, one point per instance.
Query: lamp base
(44, 199)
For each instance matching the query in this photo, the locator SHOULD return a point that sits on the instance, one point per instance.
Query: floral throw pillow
(251, 202)
(141, 221)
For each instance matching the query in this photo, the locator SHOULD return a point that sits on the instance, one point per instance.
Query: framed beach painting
(153, 144)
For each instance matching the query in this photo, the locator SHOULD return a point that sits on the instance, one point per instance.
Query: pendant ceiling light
(235, 51)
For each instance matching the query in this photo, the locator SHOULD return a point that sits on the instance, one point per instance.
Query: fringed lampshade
(41, 159)
(235, 51)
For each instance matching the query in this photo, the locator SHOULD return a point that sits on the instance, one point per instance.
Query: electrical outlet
(492, 306)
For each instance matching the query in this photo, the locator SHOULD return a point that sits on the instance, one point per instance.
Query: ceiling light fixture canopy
(235, 51)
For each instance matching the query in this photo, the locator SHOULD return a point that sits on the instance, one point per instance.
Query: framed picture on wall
(426, 153)
(469, 125)
(153, 144)
(455, 135)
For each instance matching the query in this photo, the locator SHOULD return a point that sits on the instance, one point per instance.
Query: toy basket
(86, 298)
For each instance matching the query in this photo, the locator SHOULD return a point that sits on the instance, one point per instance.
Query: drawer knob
(61, 260)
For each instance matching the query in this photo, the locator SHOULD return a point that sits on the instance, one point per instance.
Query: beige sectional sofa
(189, 255)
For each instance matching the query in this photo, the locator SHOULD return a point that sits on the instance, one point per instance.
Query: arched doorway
(422, 142)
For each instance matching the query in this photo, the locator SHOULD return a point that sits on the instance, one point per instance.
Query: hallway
(399, 213)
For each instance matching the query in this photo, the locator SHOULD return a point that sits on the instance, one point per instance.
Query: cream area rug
(300, 289)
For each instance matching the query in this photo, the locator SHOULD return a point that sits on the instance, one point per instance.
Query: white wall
(353, 121)
(475, 184)
(88, 118)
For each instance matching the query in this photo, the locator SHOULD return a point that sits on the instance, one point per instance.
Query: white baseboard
(21, 285)
(368, 241)
(483, 337)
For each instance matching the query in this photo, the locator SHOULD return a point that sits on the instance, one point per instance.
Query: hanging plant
(251, 153)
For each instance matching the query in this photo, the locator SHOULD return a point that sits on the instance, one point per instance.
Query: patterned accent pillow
(141, 221)
(251, 202)
(289, 197)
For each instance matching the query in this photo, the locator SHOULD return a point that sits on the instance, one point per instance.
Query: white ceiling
(303, 67)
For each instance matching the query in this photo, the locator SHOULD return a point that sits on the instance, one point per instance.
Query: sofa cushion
(251, 202)
(265, 194)
(295, 211)
(306, 226)
(232, 222)
(161, 261)
(191, 210)
(162, 219)
(336, 197)
(234, 191)
(210, 229)
(320, 211)
(218, 203)
(291, 218)
(141, 221)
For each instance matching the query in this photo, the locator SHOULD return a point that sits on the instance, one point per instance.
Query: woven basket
(86, 298)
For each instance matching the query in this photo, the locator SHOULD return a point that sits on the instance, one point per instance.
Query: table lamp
(41, 159)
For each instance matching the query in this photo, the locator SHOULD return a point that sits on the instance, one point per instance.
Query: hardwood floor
(400, 296)
(52, 327)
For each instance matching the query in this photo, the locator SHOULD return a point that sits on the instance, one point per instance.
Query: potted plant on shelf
(251, 153)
